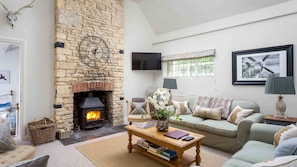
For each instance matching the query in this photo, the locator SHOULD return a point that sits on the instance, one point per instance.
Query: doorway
(11, 56)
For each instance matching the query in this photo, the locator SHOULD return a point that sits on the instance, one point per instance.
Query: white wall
(10, 62)
(255, 30)
(35, 26)
(138, 37)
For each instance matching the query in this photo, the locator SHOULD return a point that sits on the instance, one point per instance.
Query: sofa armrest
(255, 118)
(243, 129)
(264, 132)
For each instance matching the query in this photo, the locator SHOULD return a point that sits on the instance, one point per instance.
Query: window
(189, 65)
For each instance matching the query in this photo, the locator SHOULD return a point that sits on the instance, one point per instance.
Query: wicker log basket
(42, 131)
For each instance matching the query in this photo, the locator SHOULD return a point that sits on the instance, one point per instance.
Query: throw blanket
(215, 102)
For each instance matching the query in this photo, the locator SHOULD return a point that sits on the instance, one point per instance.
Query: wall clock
(94, 51)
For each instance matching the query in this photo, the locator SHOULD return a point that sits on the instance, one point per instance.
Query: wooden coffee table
(151, 134)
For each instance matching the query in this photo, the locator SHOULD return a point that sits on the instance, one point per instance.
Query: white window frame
(186, 56)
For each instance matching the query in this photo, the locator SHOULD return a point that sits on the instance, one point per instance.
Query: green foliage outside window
(197, 67)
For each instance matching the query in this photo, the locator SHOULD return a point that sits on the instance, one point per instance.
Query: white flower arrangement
(160, 98)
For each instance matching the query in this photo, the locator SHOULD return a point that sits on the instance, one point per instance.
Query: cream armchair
(138, 110)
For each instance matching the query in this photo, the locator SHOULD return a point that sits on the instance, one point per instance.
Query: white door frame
(20, 114)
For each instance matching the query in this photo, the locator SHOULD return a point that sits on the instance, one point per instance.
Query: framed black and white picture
(4, 77)
(252, 67)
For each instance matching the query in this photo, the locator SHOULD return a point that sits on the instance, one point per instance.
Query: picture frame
(4, 77)
(252, 67)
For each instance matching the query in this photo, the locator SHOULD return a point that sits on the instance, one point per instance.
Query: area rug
(113, 152)
(92, 134)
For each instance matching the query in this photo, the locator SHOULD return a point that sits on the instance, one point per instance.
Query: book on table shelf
(169, 153)
(162, 155)
(143, 143)
(156, 148)
(145, 125)
(159, 155)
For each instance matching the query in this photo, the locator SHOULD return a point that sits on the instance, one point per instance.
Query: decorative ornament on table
(162, 116)
(159, 100)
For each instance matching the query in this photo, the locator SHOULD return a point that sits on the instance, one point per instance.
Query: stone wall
(93, 34)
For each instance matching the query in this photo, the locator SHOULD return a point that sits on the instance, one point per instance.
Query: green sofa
(259, 148)
(220, 134)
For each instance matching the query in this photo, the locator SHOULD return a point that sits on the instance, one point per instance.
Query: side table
(271, 119)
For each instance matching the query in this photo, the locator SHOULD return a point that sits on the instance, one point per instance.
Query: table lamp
(280, 85)
(170, 84)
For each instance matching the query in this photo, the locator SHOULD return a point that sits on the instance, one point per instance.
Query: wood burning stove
(91, 113)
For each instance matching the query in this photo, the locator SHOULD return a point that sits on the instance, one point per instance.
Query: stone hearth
(100, 68)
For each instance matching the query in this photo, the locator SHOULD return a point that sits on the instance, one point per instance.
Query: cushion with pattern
(211, 113)
(285, 133)
(238, 114)
(138, 108)
(6, 141)
(182, 108)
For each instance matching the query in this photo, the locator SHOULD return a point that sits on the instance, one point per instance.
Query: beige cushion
(285, 161)
(285, 133)
(238, 114)
(181, 108)
(290, 133)
(212, 113)
(21, 152)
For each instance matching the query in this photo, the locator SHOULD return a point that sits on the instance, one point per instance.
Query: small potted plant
(162, 116)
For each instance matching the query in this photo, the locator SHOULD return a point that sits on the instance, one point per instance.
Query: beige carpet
(113, 152)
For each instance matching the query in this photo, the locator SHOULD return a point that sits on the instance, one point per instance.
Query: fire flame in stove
(93, 115)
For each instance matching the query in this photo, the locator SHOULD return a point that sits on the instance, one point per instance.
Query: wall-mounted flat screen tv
(146, 61)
